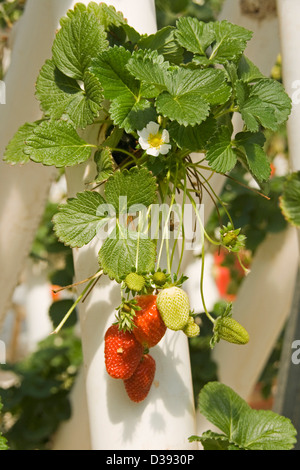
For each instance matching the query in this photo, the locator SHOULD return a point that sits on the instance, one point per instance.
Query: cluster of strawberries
(126, 351)
(142, 323)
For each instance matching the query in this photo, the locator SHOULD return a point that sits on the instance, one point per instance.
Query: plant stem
(182, 227)
(201, 284)
(246, 270)
(55, 291)
(125, 152)
(167, 221)
(85, 290)
(200, 221)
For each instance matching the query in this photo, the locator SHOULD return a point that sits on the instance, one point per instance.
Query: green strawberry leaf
(247, 71)
(114, 23)
(106, 15)
(82, 218)
(14, 152)
(212, 441)
(125, 249)
(195, 36)
(119, 86)
(254, 155)
(210, 84)
(267, 430)
(272, 93)
(182, 95)
(263, 103)
(130, 114)
(77, 222)
(193, 138)
(244, 427)
(110, 69)
(150, 68)
(187, 109)
(190, 93)
(289, 200)
(60, 95)
(164, 42)
(57, 143)
(213, 85)
(80, 38)
(230, 41)
(221, 155)
(105, 164)
(137, 185)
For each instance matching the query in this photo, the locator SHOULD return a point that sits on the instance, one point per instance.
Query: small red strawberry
(139, 384)
(149, 326)
(122, 352)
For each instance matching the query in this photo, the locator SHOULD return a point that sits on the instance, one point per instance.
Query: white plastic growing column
(289, 26)
(23, 190)
(286, 400)
(166, 418)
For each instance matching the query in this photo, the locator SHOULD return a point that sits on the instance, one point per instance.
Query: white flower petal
(152, 127)
(165, 148)
(165, 136)
(143, 133)
(153, 151)
(144, 143)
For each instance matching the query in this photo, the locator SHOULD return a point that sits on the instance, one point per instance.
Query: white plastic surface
(23, 189)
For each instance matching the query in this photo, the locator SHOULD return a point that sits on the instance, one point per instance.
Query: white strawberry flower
(154, 140)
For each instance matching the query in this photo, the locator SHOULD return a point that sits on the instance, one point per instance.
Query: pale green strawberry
(135, 282)
(174, 307)
(159, 278)
(230, 330)
(191, 329)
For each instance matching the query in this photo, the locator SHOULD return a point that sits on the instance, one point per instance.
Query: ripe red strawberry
(139, 384)
(122, 352)
(149, 326)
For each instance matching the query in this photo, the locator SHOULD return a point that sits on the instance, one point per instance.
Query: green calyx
(126, 313)
(231, 238)
(163, 280)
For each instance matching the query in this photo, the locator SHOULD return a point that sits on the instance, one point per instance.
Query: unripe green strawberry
(135, 282)
(191, 329)
(230, 330)
(174, 307)
(159, 278)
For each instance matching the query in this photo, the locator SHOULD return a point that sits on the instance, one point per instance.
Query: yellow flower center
(155, 140)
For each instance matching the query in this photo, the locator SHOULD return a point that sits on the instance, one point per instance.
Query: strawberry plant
(162, 105)
(242, 428)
